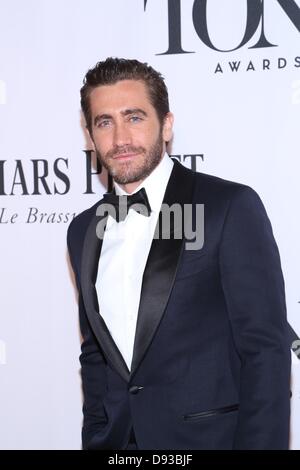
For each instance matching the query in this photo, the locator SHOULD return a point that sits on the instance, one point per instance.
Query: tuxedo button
(134, 389)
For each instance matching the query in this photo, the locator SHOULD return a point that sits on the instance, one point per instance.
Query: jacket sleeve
(254, 291)
(93, 364)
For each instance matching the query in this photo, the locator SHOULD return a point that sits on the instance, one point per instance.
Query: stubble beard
(138, 168)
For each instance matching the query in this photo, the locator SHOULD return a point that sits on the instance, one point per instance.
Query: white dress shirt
(124, 253)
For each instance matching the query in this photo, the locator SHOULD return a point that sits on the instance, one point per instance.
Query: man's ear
(168, 127)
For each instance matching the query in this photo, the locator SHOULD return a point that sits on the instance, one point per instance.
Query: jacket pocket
(207, 414)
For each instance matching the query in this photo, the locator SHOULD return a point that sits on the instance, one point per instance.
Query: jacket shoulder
(77, 228)
(207, 184)
(217, 184)
(214, 188)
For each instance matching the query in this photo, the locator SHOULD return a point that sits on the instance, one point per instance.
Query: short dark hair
(113, 70)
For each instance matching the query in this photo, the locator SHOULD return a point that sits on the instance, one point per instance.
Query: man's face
(126, 132)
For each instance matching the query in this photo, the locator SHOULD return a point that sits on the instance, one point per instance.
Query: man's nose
(121, 135)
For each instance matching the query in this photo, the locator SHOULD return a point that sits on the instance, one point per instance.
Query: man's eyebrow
(134, 111)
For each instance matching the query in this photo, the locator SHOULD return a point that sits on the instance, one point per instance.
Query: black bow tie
(118, 206)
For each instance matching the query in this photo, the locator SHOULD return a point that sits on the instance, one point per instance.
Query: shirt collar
(155, 184)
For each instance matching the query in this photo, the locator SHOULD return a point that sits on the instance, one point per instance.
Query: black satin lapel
(89, 266)
(161, 267)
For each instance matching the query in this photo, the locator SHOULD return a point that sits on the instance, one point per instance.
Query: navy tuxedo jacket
(211, 359)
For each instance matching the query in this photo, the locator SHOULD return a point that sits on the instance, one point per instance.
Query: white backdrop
(244, 123)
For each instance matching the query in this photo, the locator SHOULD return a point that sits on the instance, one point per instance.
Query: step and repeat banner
(232, 68)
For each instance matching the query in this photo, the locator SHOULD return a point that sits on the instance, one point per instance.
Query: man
(182, 348)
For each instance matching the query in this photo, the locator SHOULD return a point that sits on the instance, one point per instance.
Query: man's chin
(128, 175)
(126, 179)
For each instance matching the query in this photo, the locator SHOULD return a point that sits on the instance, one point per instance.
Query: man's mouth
(124, 156)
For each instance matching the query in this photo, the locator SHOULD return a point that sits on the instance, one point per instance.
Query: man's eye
(135, 119)
(104, 123)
